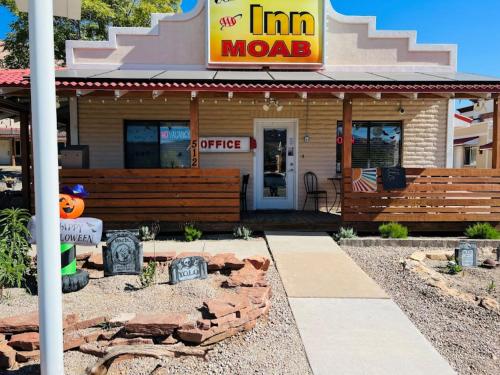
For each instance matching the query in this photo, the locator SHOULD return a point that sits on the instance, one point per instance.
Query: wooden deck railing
(431, 195)
(167, 195)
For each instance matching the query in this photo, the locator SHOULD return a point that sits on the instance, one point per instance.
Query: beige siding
(101, 127)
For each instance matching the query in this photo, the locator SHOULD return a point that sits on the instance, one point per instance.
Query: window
(157, 144)
(17, 148)
(470, 154)
(375, 144)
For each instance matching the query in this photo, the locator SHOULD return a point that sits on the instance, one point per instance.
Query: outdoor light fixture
(271, 102)
(401, 109)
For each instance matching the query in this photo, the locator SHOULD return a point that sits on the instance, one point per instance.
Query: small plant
(393, 230)
(14, 247)
(191, 233)
(345, 233)
(491, 287)
(454, 268)
(482, 231)
(242, 232)
(147, 276)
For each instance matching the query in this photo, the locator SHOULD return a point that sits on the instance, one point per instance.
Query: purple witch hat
(77, 191)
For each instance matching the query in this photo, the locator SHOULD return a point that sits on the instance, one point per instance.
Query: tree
(97, 16)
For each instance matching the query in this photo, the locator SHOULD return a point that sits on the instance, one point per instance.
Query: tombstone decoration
(466, 254)
(498, 253)
(123, 254)
(188, 268)
(394, 178)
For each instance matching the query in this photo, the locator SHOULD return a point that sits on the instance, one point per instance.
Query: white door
(5, 151)
(275, 164)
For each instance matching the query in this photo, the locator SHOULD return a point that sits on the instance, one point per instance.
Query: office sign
(266, 32)
(225, 144)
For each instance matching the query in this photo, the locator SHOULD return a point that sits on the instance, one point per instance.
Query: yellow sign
(266, 32)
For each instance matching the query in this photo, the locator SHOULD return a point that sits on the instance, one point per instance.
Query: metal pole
(44, 127)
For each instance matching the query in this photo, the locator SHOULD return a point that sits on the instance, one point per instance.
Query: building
(173, 115)
(474, 136)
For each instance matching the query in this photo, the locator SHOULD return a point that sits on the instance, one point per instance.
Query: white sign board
(224, 144)
(62, 8)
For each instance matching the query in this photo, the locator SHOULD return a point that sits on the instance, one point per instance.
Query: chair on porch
(243, 192)
(311, 184)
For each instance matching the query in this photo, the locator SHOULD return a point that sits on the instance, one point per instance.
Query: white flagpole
(44, 128)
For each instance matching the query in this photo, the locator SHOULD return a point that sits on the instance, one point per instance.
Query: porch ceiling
(449, 85)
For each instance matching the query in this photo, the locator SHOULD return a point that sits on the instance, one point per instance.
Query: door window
(275, 146)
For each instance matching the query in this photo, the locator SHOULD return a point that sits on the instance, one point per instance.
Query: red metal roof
(463, 141)
(18, 78)
(487, 146)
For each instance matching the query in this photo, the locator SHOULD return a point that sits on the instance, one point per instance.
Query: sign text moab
(266, 32)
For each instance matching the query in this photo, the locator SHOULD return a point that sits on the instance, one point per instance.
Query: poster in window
(364, 180)
(394, 178)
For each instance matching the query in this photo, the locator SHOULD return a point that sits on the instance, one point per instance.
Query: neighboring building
(474, 136)
(10, 144)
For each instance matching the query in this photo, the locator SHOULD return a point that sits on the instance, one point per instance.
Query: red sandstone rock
(160, 256)
(257, 295)
(30, 356)
(95, 261)
(83, 257)
(84, 324)
(109, 334)
(29, 323)
(220, 336)
(170, 340)
(203, 324)
(74, 340)
(198, 336)
(7, 357)
(155, 324)
(227, 304)
(217, 262)
(260, 263)
(206, 256)
(247, 277)
(224, 321)
(27, 341)
(233, 263)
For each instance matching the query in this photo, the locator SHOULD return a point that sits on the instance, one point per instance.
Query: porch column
(25, 158)
(13, 152)
(194, 125)
(347, 143)
(496, 132)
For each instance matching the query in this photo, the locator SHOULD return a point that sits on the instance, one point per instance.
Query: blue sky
(473, 25)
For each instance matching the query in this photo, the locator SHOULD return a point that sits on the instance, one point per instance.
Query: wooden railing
(167, 195)
(431, 195)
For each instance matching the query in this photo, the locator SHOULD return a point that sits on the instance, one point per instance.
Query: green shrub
(242, 232)
(14, 247)
(149, 232)
(345, 233)
(191, 233)
(393, 230)
(454, 268)
(482, 231)
(147, 276)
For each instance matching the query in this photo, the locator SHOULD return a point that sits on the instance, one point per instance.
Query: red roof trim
(464, 118)
(487, 146)
(461, 141)
(17, 78)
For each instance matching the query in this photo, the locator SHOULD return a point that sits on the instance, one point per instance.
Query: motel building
(172, 121)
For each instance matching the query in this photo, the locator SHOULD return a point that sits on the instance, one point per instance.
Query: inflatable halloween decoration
(74, 231)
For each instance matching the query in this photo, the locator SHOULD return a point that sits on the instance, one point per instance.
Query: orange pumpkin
(70, 207)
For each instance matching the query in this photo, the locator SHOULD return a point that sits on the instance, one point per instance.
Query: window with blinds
(375, 144)
(157, 144)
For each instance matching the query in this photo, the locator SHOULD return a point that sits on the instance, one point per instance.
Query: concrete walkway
(347, 322)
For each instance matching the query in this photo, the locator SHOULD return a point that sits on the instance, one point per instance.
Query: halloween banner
(266, 32)
(82, 231)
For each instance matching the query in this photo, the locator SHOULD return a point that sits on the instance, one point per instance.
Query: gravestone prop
(188, 268)
(394, 178)
(466, 254)
(498, 253)
(122, 255)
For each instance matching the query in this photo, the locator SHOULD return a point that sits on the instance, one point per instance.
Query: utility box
(75, 157)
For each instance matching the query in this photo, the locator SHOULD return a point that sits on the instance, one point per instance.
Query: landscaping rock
(203, 323)
(170, 340)
(136, 341)
(418, 256)
(248, 276)
(224, 321)
(109, 334)
(83, 257)
(159, 256)
(440, 255)
(257, 295)
(489, 304)
(259, 262)
(233, 263)
(217, 262)
(84, 324)
(7, 357)
(74, 340)
(27, 341)
(30, 356)
(155, 324)
(205, 256)
(227, 304)
(95, 261)
(29, 323)
(96, 349)
(122, 319)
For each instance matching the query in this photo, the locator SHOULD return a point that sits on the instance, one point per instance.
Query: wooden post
(195, 130)
(13, 155)
(347, 143)
(496, 132)
(25, 158)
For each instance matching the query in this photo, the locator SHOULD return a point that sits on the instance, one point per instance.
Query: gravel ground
(465, 334)
(272, 347)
